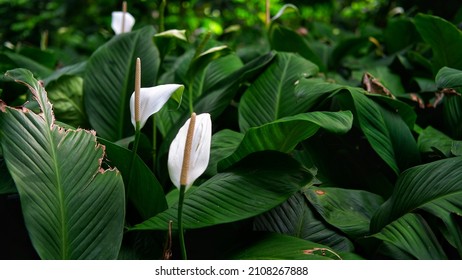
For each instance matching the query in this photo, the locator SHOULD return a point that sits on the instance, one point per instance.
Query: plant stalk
(154, 141)
(163, 4)
(180, 223)
(184, 181)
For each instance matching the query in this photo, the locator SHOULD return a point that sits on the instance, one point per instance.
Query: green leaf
(22, 61)
(215, 73)
(77, 69)
(431, 139)
(399, 34)
(203, 59)
(387, 127)
(109, 81)
(222, 92)
(348, 210)
(444, 38)
(165, 41)
(279, 38)
(314, 92)
(282, 247)
(448, 78)
(73, 209)
(347, 47)
(271, 96)
(224, 142)
(6, 182)
(296, 218)
(387, 133)
(452, 114)
(434, 187)
(284, 134)
(413, 236)
(66, 95)
(286, 9)
(144, 191)
(253, 186)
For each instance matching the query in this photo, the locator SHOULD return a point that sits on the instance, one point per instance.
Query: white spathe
(152, 100)
(200, 151)
(116, 23)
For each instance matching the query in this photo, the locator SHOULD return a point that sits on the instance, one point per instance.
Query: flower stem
(154, 141)
(163, 4)
(184, 181)
(132, 161)
(137, 122)
(180, 223)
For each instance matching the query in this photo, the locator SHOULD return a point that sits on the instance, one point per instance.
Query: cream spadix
(151, 101)
(196, 152)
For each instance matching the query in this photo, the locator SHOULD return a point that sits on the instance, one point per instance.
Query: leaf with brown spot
(73, 209)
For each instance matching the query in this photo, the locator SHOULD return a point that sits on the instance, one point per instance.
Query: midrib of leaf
(62, 212)
(48, 118)
(279, 91)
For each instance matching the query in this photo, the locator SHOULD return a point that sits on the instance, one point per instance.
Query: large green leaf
(144, 191)
(222, 93)
(411, 236)
(224, 142)
(271, 96)
(283, 247)
(373, 126)
(215, 72)
(296, 218)
(348, 210)
(399, 34)
(109, 81)
(444, 38)
(434, 187)
(66, 95)
(284, 134)
(431, 140)
(448, 78)
(255, 185)
(73, 209)
(25, 62)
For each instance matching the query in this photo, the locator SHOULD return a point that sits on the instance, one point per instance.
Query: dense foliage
(336, 130)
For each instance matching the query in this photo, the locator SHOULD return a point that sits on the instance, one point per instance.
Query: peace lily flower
(151, 100)
(189, 152)
(122, 21)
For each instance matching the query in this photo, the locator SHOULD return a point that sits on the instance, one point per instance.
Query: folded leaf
(284, 134)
